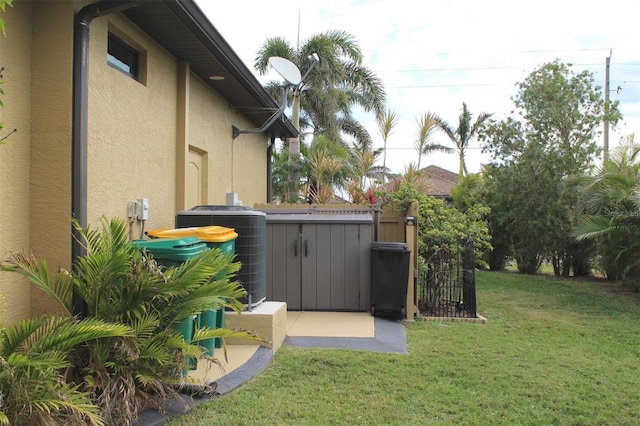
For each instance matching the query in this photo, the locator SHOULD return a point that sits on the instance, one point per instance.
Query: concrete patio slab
(237, 355)
(330, 324)
(389, 336)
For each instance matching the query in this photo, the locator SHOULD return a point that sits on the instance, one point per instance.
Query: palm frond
(37, 272)
(589, 227)
(66, 335)
(67, 406)
(276, 46)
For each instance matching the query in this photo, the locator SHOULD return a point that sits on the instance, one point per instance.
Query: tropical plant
(386, 124)
(125, 285)
(424, 145)
(326, 167)
(611, 204)
(34, 355)
(323, 103)
(412, 176)
(284, 187)
(462, 135)
(363, 163)
(337, 84)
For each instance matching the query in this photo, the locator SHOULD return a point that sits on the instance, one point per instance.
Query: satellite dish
(286, 69)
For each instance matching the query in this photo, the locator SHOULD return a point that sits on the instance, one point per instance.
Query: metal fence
(447, 282)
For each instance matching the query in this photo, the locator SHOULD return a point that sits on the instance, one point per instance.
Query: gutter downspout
(272, 142)
(79, 136)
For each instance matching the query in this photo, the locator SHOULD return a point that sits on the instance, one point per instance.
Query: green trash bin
(219, 237)
(173, 252)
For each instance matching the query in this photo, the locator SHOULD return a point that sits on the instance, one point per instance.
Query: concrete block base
(268, 320)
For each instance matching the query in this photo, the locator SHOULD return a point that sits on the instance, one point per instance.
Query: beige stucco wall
(52, 47)
(134, 136)
(35, 165)
(132, 129)
(14, 157)
(235, 165)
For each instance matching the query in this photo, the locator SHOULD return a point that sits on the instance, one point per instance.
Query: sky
(435, 55)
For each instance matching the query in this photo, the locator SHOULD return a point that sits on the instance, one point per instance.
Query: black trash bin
(389, 278)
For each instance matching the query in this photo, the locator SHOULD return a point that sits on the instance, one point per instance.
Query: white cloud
(435, 55)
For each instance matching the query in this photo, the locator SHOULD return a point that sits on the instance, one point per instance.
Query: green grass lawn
(554, 352)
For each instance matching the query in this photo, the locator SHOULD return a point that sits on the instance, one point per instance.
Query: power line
(464, 52)
(494, 68)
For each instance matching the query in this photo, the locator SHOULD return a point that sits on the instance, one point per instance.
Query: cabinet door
(284, 260)
(352, 267)
(331, 273)
(311, 290)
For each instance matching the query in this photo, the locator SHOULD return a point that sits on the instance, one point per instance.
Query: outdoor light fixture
(291, 75)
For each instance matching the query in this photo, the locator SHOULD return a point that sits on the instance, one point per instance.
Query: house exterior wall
(132, 129)
(138, 133)
(15, 179)
(51, 118)
(235, 165)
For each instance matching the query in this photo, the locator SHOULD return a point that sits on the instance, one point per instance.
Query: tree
(427, 126)
(339, 82)
(551, 137)
(326, 167)
(611, 212)
(441, 226)
(386, 124)
(463, 134)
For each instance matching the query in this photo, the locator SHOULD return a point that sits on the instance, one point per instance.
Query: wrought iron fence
(447, 283)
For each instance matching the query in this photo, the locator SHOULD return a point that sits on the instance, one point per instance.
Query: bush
(441, 226)
(124, 286)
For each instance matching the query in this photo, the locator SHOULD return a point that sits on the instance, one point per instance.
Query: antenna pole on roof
(605, 151)
(298, 43)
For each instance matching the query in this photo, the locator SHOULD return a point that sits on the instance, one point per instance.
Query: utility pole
(605, 153)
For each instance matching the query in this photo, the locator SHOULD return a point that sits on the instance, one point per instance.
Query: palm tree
(327, 167)
(463, 134)
(427, 126)
(364, 166)
(334, 86)
(611, 201)
(386, 124)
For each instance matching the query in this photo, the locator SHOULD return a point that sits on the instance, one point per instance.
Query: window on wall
(123, 57)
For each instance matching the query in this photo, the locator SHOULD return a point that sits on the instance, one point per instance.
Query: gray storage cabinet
(319, 261)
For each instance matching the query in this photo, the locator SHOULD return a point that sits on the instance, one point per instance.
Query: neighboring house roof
(181, 28)
(438, 182)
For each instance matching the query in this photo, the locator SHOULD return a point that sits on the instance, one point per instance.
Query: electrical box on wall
(132, 209)
(143, 209)
(138, 209)
(232, 199)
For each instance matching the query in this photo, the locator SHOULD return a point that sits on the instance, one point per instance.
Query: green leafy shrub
(441, 226)
(123, 285)
(34, 355)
